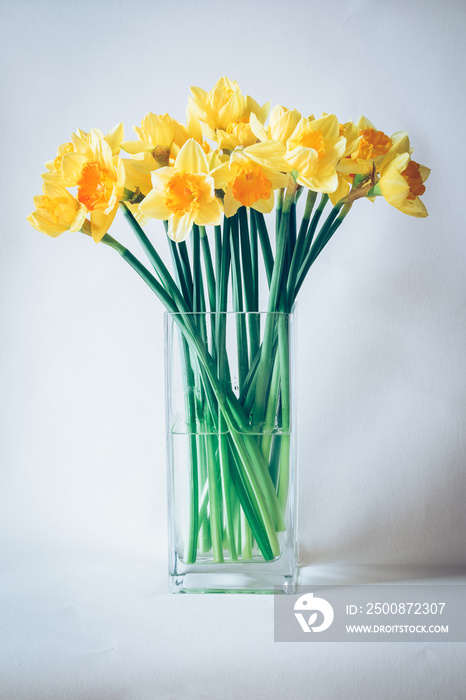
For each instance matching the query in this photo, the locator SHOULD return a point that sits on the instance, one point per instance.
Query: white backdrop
(382, 380)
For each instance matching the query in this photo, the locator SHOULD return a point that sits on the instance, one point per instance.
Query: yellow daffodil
(183, 194)
(159, 135)
(226, 112)
(56, 211)
(99, 177)
(80, 144)
(282, 123)
(251, 175)
(372, 146)
(313, 150)
(402, 183)
(160, 140)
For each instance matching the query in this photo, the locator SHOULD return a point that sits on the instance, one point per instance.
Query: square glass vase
(231, 452)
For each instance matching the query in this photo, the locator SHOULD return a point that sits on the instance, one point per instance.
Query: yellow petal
(138, 174)
(230, 204)
(348, 166)
(71, 166)
(252, 107)
(209, 214)
(222, 175)
(227, 84)
(341, 191)
(233, 109)
(268, 153)
(257, 128)
(154, 206)
(304, 160)
(79, 219)
(54, 191)
(424, 172)
(320, 184)
(134, 147)
(44, 225)
(192, 158)
(414, 207)
(283, 122)
(159, 130)
(101, 222)
(364, 123)
(328, 125)
(394, 187)
(179, 227)
(115, 137)
(277, 179)
(194, 125)
(265, 206)
(196, 104)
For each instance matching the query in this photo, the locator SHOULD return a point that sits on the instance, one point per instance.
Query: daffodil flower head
(226, 113)
(371, 146)
(251, 175)
(313, 150)
(282, 123)
(402, 184)
(57, 211)
(80, 143)
(54, 166)
(99, 176)
(218, 107)
(159, 135)
(183, 194)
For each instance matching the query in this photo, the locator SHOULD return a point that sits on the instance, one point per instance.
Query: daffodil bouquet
(211, 182)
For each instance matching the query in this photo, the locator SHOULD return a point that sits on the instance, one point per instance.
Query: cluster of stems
(239, 436)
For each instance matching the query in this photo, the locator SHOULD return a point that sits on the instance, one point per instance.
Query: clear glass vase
(231, 448)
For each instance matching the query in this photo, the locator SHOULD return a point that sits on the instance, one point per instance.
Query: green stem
(197, 278)
(242, 489)
(271, 411)
(227, 493)
(299, 248)
(265, 366)
(314, 223)
(254, 259)
(209, 268)
(279, 208)
(184, 256)
(248, 284)
(291, 240)
(205, 536)
(242, 344)
(215, 498)
(246, 538)
(265, 244)
(283, 351)
(180, 276)
(222, 267)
